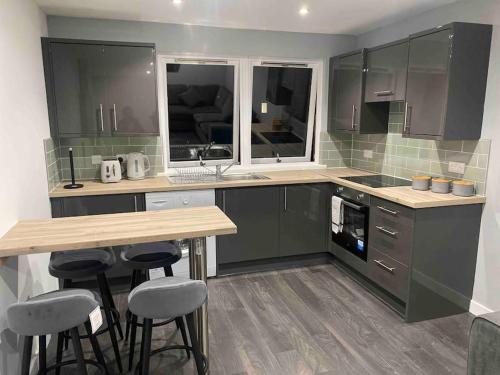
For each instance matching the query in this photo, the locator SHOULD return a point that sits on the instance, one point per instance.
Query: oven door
(354, 234)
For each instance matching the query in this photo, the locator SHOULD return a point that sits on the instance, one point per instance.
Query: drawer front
(179, 199)
(392, 238)
(394, 212)
(388, 274)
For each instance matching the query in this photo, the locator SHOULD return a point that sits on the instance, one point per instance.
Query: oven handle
(352, 205)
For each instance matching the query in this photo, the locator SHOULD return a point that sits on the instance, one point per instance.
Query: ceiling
(325, 16)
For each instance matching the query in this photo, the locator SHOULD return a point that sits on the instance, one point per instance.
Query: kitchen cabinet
(304, 219)
(446, 83)
(386, 72)
(346, 109)
(97, 205)
(255, 211)
(100, 88)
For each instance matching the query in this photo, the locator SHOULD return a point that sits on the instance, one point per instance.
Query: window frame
(312, 118)
(162, 60)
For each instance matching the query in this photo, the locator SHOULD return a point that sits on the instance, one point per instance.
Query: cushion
(191, 97)
(173, 92)
(208, 93)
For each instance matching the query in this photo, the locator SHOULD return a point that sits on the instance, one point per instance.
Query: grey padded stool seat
(484, 345)
(52, 313)
(143, 257)
(69, 265)
(166, 298)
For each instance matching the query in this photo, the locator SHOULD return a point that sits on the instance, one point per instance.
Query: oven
(352, 235)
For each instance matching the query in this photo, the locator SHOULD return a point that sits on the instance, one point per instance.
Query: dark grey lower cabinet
(255, 211)
(274, 221)
(304, 219)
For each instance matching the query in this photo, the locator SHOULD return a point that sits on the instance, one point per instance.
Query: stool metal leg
(67, 283)
(109, 320)
(26, 361)
(77, 347)
(132, 342)
(107, 290)
(42, 354)
(59, 350)
(128, 314)
(195, 344)
(146, 346)
(180, 325)
(95, 347)
(198, 271)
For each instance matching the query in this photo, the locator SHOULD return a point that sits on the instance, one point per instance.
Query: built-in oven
(351, 234)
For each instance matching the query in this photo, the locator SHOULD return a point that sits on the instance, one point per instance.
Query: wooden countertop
(403, 194)
(74, 233)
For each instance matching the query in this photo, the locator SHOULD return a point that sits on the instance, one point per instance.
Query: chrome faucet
(203, 153)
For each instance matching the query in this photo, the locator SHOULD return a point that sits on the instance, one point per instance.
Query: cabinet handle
(285, 198)
(387, 231)
(394, 213)
(102, 118)
(114, 117)
(384, 267)
(159, 202)
(353, 116)
(407, 120)
(135, 203)
(224, 201)
(384, 93)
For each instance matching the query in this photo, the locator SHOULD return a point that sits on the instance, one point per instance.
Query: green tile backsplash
(404, 157)
(57, 160)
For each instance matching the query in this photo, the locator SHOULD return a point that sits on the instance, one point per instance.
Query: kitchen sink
(243, 176)
(212, 178)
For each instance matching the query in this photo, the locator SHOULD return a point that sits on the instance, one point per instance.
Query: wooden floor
(312, 320)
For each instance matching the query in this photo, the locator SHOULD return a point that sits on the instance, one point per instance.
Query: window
(282, 118)
(205, 109)
(201, 111)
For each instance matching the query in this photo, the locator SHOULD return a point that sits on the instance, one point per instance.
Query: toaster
(111, 170)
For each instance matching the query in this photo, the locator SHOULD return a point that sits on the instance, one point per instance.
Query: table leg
(198, 271)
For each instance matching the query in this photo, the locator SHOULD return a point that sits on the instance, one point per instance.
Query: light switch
(368, 154)
(456, 167)
(263, 107)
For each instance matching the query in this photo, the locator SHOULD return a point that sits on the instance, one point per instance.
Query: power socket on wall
(368, 154)
(456, 167)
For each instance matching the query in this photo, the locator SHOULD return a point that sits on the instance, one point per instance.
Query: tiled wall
(404, 157)
(83, 149)
(335, 150)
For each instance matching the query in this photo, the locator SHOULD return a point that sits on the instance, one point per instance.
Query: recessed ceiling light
(303, 11)
(177, 2)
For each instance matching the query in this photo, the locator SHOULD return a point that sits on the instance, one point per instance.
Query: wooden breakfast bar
(76, 233)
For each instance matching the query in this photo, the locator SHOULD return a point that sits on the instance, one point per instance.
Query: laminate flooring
(309, 320)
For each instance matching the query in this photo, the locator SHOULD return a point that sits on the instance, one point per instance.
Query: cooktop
(378, 181)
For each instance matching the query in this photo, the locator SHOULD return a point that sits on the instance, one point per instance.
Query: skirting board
(477, 309)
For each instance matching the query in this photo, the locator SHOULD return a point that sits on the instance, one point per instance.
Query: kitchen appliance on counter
(179, 199)
(136, 165)
(378, 180)
(352, 236)
(111, 170)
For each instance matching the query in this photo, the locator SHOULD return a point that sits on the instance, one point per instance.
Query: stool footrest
(72, 362)
(174, 347)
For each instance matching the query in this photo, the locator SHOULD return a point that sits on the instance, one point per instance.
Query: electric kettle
(136, 165)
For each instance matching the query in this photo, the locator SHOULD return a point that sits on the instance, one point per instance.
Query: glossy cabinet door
(346, 74)
(97, 205)
(427, 84)
(131, 81)
(386, 73)
(304, 219)
(255, 211)
(78, 85)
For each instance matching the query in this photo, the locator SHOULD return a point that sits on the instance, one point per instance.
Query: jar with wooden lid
(441, 185)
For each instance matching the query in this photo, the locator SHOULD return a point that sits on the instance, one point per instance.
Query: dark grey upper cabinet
(304, 220)
(346, 74)
(255, 211)
(132, 100)
(446, 84)
(386, 72)
(100, 88)
(346, 109)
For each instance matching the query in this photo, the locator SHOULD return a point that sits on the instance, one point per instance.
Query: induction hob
(378, 181)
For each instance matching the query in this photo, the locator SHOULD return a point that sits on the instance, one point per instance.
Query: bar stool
(54, 313)
(167, 298)
(68, 265)
(140, 259)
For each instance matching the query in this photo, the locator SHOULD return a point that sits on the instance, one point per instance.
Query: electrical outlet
(263, 107)
(456, 167)
(96, 159)
(368, 154)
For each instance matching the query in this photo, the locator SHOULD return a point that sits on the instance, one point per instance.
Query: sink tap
(219, 172)
(203, 153)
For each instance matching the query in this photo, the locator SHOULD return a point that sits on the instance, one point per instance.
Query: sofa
(200, 109)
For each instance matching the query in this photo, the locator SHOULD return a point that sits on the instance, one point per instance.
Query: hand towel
(337, 214)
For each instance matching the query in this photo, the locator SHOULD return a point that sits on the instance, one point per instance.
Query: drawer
(392, 238)
(392, 212)
(388, 274)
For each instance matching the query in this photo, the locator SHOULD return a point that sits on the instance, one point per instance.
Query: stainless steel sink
(243, 176)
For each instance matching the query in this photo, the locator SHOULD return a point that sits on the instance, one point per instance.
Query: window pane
(200, 111)
(280, 111)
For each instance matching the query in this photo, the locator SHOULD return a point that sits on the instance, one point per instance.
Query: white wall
(23, 126)
(487, 285)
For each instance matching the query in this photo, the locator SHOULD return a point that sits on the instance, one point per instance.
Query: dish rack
(193, 175)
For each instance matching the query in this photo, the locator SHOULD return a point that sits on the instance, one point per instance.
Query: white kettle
(136, 165)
